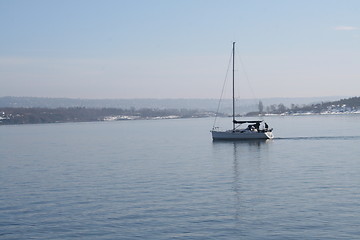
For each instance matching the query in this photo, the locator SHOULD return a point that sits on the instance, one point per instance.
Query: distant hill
(342, 106)
(349, 102)
(24, 110)
(9, 116)
(29, 102)
(243, 105)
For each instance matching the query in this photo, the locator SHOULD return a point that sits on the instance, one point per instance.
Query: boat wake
(320, 138)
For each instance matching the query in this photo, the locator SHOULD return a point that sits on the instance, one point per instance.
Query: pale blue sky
(178, 49)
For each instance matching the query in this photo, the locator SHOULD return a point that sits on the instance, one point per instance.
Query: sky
(179, 48)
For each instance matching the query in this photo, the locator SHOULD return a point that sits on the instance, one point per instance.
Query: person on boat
(266, 126)
(257, 126)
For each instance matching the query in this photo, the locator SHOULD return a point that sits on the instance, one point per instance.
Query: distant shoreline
(24, 111)
(27, 118)
(13, 116)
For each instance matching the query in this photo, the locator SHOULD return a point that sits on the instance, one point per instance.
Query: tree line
(350, 103)
(82, 114)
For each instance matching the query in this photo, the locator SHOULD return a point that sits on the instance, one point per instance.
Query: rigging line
(223, 89)
(246, 76)
(256, 99)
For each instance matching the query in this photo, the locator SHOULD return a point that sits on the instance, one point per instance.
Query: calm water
(166, 179)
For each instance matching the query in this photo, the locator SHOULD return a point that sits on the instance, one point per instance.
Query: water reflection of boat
(248, 167)
(254, 129)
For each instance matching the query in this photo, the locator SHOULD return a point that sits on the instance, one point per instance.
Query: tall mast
(233, 83)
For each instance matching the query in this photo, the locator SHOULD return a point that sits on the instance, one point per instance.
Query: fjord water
(166, 179)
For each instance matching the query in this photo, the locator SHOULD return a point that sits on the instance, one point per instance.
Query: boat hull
(239, 135)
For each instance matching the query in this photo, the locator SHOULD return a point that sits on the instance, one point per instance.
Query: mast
(233, 84)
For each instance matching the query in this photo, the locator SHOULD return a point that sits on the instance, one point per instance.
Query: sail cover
(241, 122)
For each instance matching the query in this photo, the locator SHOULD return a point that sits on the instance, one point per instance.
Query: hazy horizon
(245, 105)
(181, 98)
(178, 49)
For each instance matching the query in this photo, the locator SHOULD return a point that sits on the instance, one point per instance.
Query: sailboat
(255, 129)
